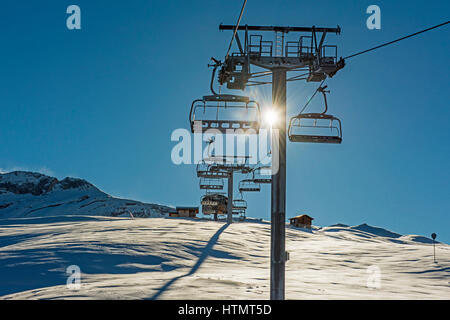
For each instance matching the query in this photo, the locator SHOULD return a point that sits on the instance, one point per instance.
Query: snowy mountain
(29, 194)
(47, 225)
(181, 258)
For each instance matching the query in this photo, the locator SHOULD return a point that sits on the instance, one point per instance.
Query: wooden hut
(185, 212)
(301, 221)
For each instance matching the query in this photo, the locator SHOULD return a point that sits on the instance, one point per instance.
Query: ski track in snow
(170, 258)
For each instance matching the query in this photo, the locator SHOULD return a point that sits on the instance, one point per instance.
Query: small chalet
(185, 212)
(302, 221)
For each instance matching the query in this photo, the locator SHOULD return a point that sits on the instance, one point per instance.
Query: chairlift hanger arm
(215, 66)
(324, 92)
(315, 92)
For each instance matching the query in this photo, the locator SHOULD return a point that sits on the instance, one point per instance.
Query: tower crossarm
(307, 50)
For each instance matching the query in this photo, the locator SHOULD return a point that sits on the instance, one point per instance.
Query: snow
(28, 194)
(173, 258)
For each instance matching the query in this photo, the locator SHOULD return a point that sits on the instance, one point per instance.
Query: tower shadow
(205, 253)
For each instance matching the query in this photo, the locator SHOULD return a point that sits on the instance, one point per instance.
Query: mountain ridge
(32, 194)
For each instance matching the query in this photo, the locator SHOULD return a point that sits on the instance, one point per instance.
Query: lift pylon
(308, 54)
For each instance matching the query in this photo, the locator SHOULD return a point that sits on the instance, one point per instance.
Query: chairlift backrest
(239, 204)
(313, 128)
(211, 184)
(225, 113)
(248, 185)
(205, 170)
(262, 175)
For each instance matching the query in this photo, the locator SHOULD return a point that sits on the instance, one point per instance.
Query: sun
(271, 117)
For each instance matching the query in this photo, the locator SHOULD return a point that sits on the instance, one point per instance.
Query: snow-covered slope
(29, 194)
(169, 258)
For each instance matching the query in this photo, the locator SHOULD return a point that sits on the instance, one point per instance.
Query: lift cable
(236, 29)
(397, 40)
(374, 48)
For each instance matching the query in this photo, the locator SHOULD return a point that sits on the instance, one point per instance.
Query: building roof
(187, 208)
(301, 216)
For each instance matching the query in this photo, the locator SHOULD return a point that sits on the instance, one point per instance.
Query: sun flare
(271, 117)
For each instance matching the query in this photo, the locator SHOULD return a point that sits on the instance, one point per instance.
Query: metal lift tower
(306, 54)
(225, 166)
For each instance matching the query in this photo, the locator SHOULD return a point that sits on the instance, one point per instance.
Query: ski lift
(211, 184)
(248, 185)
(239, 204)
(238, 211)
(316, 127)
(205, 170)
(309, 122)
(262, 175)
(225, 112)
(225, 163)
(202, 168)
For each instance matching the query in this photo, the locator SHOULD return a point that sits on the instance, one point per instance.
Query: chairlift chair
(205, 170)
(261, 178)
(239, 204)
(202, 168)
(238, 211)
(211, 184)
(225, 163)
(225, 113)
(313, 127)
(302, 126)
(248, 185)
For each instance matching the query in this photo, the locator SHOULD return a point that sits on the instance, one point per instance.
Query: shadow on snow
(205, 253)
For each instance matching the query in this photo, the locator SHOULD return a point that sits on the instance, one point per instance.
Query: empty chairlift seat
(205, 170)
(248, 185)
(225, 113)
(262, 175)
(211, 184)
(315, 128)
(239, 204)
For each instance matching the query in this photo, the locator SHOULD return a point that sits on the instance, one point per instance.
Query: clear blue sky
(102, 102)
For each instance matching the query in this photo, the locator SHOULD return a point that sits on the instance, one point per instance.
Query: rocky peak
(23, 182)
